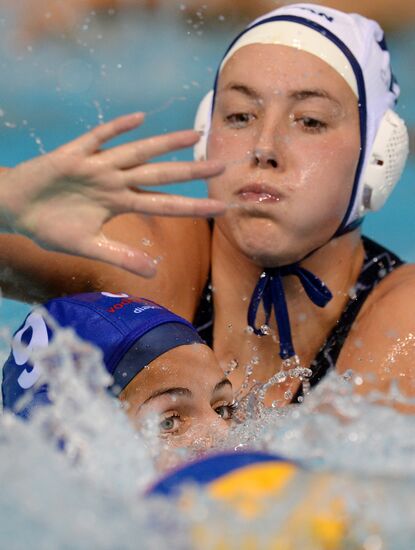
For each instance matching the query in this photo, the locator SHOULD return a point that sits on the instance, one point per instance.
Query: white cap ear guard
(202, 125)
(385, 163)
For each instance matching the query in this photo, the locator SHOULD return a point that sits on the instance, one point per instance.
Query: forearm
(31, 274)
(182, 247)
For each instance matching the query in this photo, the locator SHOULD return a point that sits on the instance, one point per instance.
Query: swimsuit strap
(204, 318)
(378, 263)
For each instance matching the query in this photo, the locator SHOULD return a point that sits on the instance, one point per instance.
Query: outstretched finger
(162, 204)
(172, 172)
(117, 254)
(93, 140)
(138, 152)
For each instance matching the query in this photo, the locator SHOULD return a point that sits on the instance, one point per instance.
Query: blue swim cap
(131, 332)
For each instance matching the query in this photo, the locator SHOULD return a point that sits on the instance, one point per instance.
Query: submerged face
(286, 125)
(186, 391)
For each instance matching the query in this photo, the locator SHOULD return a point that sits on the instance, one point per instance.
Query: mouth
(259, 193)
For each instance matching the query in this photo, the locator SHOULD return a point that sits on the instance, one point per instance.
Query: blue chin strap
(270, 291)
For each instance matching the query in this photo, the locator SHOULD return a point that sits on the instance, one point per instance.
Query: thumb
(117, 254)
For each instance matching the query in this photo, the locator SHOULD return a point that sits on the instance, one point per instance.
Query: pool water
(356, 456)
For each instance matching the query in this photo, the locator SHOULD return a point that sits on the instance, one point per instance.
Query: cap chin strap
(270, 291)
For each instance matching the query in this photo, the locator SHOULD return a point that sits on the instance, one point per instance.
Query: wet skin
(186, 389)
(286, 125)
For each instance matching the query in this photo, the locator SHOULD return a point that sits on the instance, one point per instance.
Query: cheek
(225, 143)
(327, 169)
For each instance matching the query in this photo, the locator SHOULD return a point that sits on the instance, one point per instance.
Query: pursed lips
(258, 192)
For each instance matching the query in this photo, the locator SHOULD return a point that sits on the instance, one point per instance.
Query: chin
(267, 245)
(265, 249)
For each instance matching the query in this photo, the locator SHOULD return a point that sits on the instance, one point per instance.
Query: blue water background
(53, 90)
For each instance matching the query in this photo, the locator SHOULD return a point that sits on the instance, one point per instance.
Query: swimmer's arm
(381, 346)
(62, 199)
(181, 247)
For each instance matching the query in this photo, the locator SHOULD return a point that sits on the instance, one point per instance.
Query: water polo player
(159, 363)
(302, 113)
(284, 287)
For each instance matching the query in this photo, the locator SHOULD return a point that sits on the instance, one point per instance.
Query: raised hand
(62, 199)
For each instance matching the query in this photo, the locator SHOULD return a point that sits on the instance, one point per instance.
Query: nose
(265, 152)
(265, 158)
(207, 432)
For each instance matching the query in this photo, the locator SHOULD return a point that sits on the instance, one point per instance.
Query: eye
(226, 411)
(239, 120)
(311, 124)
(170, 423)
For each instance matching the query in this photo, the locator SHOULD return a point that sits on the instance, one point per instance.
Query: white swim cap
(356, 48)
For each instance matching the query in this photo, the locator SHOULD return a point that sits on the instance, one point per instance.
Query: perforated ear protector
(385, 163)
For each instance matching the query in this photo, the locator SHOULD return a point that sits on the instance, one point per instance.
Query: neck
(234, 277)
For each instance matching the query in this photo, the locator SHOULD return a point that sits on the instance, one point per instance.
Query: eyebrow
(298, 95)
(185, 392)
(174, 392)
(221, 384)
(302, 95)
(243, 89)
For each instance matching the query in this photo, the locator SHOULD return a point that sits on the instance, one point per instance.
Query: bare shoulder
(181, 247)
(397, 287)
(381, 344)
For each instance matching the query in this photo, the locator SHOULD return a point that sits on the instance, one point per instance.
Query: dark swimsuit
(378, 263)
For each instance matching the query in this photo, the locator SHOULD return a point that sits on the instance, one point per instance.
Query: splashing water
(98, 476)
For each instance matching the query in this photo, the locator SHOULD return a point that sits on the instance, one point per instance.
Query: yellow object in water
(263, 503)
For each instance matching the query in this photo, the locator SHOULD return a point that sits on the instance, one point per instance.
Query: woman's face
(185, 392)
(287, 127)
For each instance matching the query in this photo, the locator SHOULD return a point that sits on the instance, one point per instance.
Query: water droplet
(358, 380)
(146, 242)
(288, 395)
(352, 293)
(265, 329)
